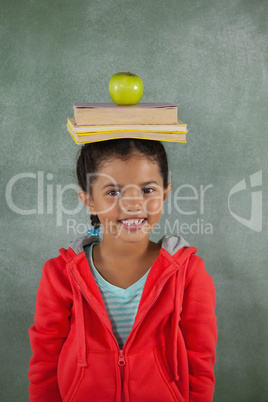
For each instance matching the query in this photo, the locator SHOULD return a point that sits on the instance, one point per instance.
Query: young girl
(123, 318)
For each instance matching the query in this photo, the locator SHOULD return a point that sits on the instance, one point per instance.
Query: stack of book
(94, 122)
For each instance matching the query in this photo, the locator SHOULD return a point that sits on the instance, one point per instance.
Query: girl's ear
(166, 192)
(88, 201)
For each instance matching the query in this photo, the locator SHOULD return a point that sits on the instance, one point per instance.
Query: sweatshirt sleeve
(47, 335)
(198, 325)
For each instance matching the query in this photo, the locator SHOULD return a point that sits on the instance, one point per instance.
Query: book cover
(115, 106)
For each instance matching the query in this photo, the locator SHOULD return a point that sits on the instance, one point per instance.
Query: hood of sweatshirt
(171, 244)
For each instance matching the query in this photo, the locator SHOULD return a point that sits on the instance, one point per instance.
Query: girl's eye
(114, 193)
(147, 190)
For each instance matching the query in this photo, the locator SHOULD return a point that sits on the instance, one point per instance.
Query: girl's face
(128, 197)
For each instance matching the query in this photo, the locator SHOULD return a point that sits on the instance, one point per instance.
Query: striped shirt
(121, 304)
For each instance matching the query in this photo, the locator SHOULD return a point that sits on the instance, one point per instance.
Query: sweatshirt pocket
(149, 378)
(96, 382)
(75, 384)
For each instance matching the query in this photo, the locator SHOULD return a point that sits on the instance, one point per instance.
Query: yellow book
(95, 137)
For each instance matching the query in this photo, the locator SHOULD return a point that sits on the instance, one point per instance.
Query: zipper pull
(121, 360)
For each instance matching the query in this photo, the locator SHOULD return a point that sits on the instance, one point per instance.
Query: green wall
(208, 56)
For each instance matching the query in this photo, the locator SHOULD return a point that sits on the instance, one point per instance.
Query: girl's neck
(124, 264)
(116, 248)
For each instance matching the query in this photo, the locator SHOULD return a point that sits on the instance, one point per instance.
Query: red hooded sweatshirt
(169, 354)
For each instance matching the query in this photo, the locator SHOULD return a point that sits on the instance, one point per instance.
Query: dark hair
(94, 155)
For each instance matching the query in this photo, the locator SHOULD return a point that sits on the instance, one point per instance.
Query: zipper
(121, 360)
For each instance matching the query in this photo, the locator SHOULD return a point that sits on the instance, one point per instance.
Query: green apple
(126, 88)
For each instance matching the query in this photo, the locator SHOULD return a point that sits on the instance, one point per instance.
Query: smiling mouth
(132, 224)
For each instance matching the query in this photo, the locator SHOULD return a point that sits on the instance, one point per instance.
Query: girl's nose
(131, 204)
(131, 200)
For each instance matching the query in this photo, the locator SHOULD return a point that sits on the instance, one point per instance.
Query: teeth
(134, 222)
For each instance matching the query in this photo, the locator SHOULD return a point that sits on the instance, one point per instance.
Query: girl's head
(111, 172)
